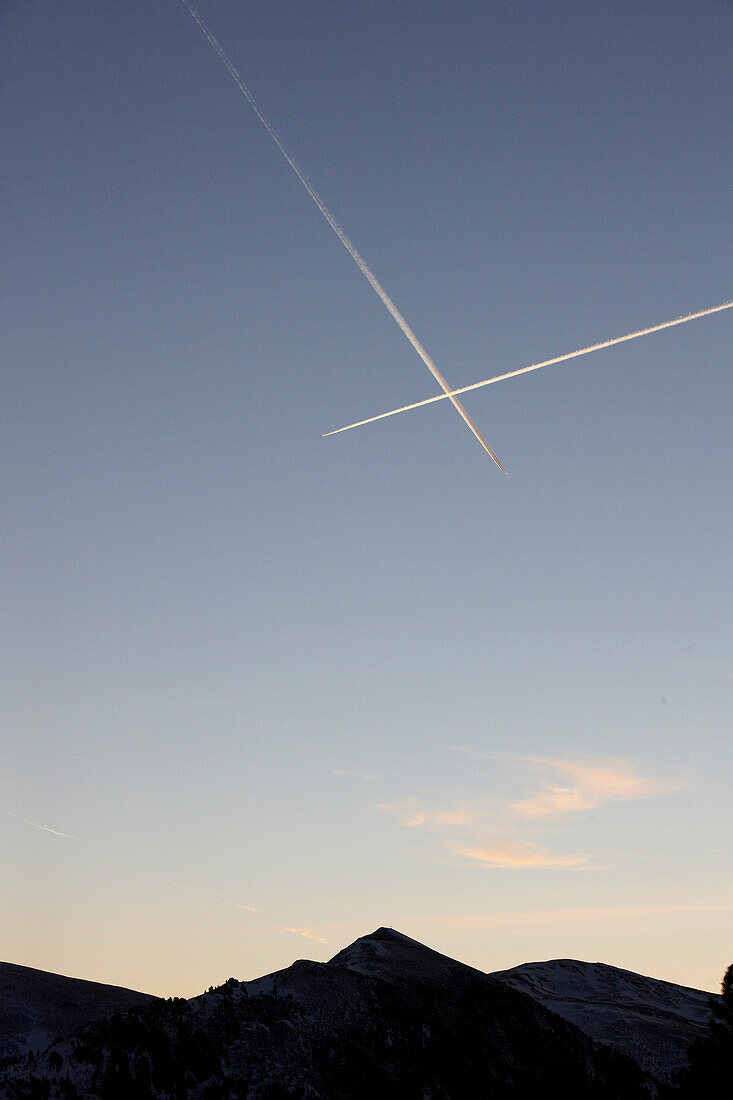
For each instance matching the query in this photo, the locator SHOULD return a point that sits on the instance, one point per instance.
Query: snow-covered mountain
(652, 1021)
(37, 1007)
(386, 1017)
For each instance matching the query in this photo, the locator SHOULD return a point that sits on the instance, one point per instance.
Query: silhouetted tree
(709, 1072)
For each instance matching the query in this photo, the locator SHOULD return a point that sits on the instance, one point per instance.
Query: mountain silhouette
(386, 1017)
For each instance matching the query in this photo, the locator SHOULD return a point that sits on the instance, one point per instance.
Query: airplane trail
(306, 932)
(210, 897)
(340, 233)
(46, 828)
(536, 366)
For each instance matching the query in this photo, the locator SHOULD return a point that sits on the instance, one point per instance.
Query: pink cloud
(524, 856)
(589, 785)
(468, 833)
(306, 932)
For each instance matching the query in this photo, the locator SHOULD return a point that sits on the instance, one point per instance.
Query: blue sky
(326, 678)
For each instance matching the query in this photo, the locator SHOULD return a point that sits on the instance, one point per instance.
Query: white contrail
(209, 897)
(47, 828)
(350, 248)
(536, 366)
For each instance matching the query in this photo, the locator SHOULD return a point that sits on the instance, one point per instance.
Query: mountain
(387, 1017)
(37, 1007)
(652, 1021)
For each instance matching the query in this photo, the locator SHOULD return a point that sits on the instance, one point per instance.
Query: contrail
(168, 881)
(536, 366)
(46, 828)
(210, 897)
(350, 248)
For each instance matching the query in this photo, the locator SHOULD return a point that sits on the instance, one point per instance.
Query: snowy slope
(387, 1012)
(37, 1007)
(386, 1017)
(652, 1021)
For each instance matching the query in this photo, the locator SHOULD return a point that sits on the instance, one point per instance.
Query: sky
(263, 692)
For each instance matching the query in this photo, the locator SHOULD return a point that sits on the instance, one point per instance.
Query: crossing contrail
(350, 248)
(536, 366)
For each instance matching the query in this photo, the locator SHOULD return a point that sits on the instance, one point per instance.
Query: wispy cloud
(488, 831)
(573, 785)
(523, 856)
(470, 831)
(306, 933)
(415, 815)
(465, 750)
(588, 785)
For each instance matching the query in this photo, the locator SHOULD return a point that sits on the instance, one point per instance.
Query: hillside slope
(37, 1007)
(386, 1017)
(652, 1021)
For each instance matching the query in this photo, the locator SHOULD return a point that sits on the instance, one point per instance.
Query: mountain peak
(392, 1014)
(381, 943)
(391, 955)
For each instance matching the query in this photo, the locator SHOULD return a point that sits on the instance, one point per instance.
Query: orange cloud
(471, 836)
(590, 785)
(525, 856)
(306, 932)
(473, 829)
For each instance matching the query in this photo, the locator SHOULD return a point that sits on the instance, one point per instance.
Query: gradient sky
(368, 679)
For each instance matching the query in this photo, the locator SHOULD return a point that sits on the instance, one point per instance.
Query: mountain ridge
(651, 1020)
(385, 1015)
(37, 1005)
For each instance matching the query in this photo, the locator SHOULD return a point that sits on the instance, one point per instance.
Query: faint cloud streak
(306, 933)
(414, 816)
(523, 856)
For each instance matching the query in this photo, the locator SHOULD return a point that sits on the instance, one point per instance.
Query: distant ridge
(652, 1021)
(37, 1007)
